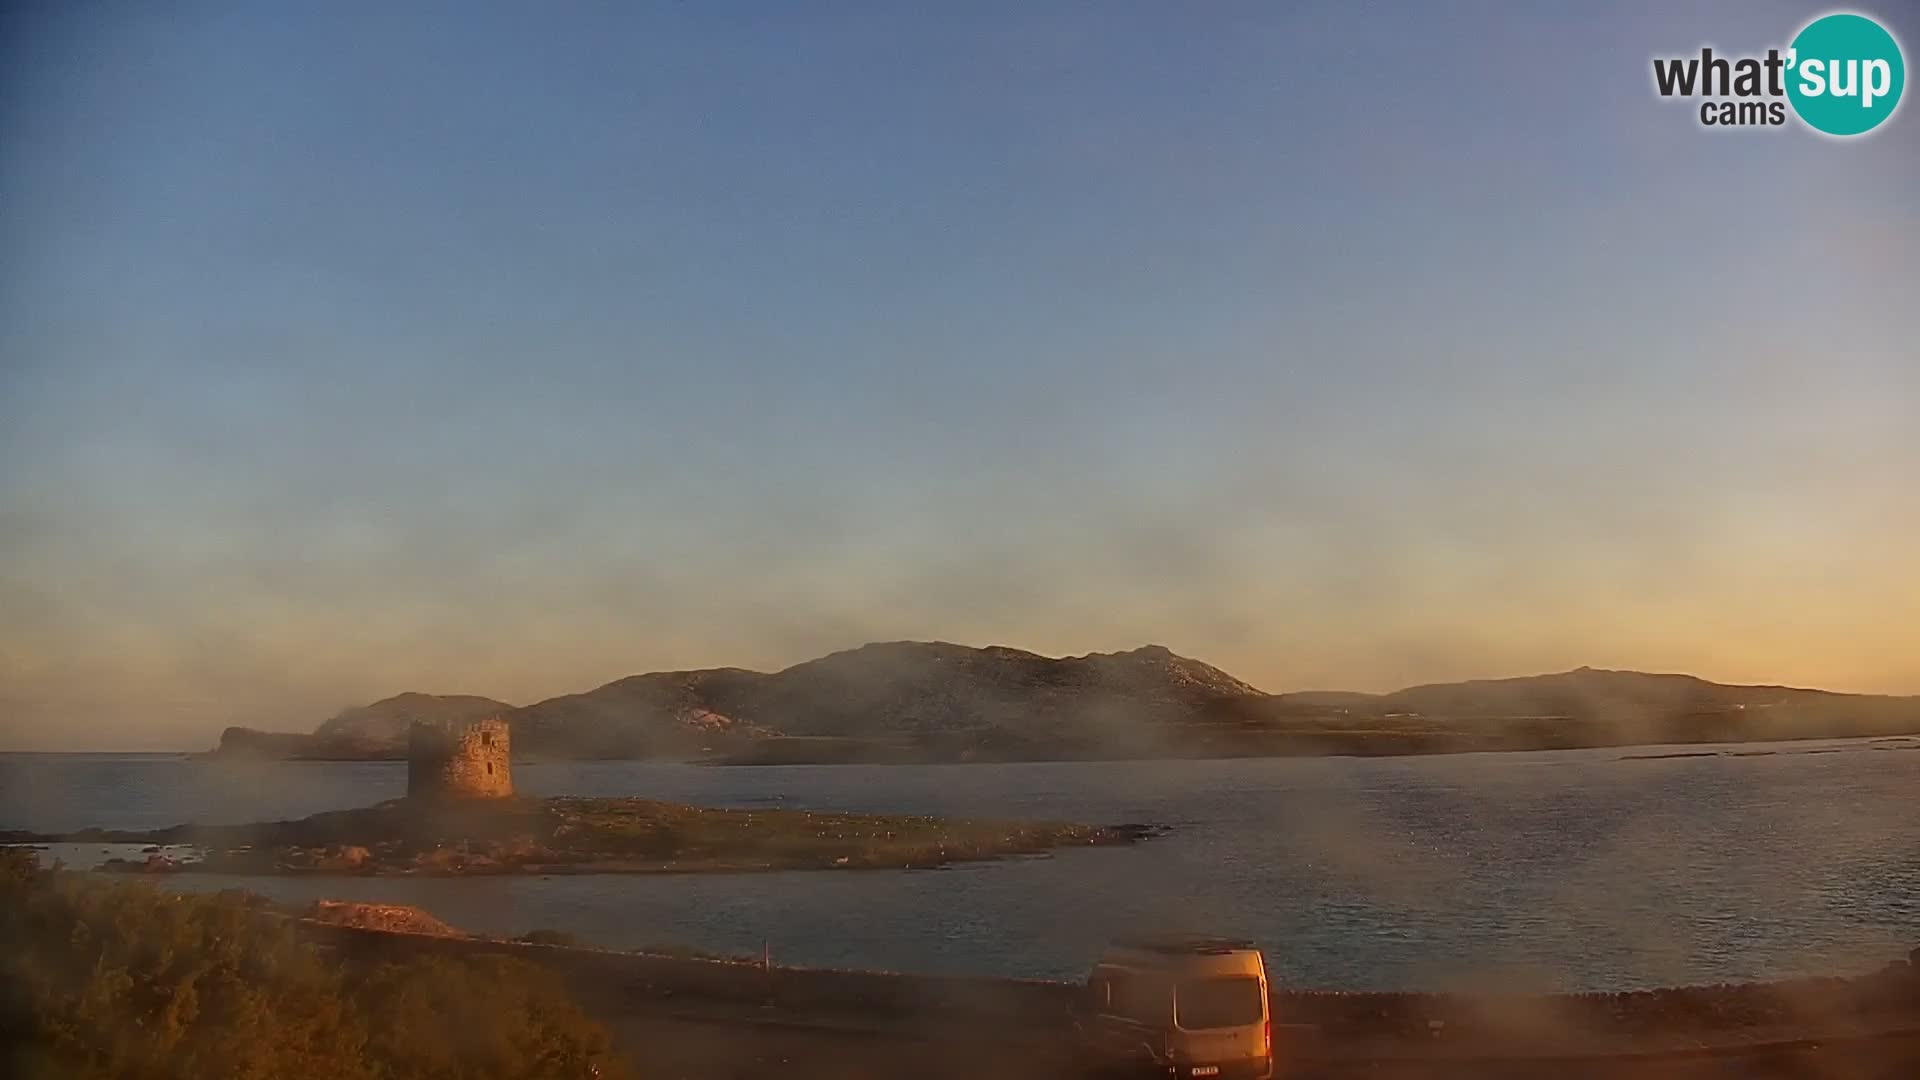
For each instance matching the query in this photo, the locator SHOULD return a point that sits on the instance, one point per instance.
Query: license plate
(1206, 1070)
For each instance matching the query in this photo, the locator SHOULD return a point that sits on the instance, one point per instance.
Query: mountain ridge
(940, 701)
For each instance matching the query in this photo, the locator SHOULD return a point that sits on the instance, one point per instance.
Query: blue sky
(508, 349)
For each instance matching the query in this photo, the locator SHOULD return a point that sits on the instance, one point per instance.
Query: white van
(1178, 1006)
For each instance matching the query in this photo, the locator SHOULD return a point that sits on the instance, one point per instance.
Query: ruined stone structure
(462, 759)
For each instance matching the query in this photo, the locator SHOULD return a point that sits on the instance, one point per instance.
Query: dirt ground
(798, 1025)
(666, 1046)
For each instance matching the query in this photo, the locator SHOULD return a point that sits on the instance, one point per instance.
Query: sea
(1604, 869)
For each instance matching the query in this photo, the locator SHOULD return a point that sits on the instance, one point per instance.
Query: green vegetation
(104, 979)
(575, 835)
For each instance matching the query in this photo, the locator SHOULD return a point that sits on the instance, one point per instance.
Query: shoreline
(1702, 1021)
(609, 867)
(1332, 744)
(578, 836)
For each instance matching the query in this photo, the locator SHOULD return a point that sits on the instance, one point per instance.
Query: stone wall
(459, 759)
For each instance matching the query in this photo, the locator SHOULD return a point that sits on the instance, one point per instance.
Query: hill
(931, 699)
(373, 732)
(389, 718)
(1582, 692)
(938, 701)
(659, 714)
(1591, 706)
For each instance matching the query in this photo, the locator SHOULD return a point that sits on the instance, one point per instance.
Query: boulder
(343, 857)
(392, 918)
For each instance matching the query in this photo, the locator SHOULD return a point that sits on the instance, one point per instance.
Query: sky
(513, 348)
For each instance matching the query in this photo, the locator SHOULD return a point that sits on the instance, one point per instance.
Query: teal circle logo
(1845, 74)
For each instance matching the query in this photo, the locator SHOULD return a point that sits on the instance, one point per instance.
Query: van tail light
(1269, 1034)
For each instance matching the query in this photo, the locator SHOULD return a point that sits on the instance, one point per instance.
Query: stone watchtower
(459, 759)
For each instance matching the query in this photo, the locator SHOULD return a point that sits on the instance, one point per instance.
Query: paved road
(668, 1047)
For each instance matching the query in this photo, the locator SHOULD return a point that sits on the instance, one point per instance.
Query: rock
(392, 918)
(439, 860)
(343, 857)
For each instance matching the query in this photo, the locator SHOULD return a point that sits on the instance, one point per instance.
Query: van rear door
(1222, 1018)
(1129, 1013)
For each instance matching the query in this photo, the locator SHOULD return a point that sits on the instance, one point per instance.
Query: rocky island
(461, 816)
(517, 835)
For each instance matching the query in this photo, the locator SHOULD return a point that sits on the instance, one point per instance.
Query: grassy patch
(103, 979)
(570, 835)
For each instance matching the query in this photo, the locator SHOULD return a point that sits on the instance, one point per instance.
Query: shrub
(438, 1018)
(104, 979)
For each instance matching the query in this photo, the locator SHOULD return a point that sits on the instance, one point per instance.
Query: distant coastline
(934, 702)
(810, 751)
(855, 752)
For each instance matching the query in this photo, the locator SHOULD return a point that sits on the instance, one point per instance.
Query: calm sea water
(1598, 869)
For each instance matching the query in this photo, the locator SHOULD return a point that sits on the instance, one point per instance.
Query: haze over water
(1564, 869)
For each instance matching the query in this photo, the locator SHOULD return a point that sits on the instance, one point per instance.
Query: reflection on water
(1573, 869)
